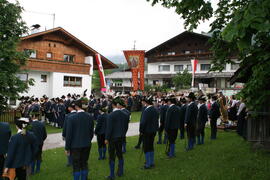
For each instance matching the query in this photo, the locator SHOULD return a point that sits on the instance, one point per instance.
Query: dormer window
(171, 53)
(31, 52)
(69, 58)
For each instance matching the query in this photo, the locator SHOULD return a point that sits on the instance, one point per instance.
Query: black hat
(21, 122)
(183, 100)
(191, 95)
(202, 98)
(104, 109)
(78, 103)
(214, 98)
(68, 95)
(172, 99)
(72, 105)
(149, 100)
(63, 97)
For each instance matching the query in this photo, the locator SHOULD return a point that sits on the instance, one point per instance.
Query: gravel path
(56, 141)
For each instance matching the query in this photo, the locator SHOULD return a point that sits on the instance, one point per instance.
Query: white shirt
(241, 107)
(72, 111)
(148, 107)
(115, 109)
(80, 111)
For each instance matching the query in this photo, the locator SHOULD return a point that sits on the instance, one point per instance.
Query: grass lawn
(228, 157)
(135, 116)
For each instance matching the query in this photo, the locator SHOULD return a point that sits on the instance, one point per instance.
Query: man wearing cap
(5, 134)
(190, 120)
(122, 106)
(22, 148)
(214, 114)
(163, 110)
(47, 110)
(172, 124)
(202, 119)
(114, 137)
(100, 133)
(143, 101)
(72, 111)
(39, 130)
(182, 117)
(148, 129)
(79, 134)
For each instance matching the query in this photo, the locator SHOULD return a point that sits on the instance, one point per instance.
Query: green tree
(182, 80)
(240, 28)
(12, 28)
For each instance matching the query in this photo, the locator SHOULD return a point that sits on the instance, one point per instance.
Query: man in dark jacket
(72, 111)
(140, 135)
(172, 124)
(122, 106)
(190, 120)
(163, 110)
(39, 130)
(5, 134)
(202, 119)
(148, 129)
(182, 117)
(214, 114)
(115, 133)
(79, 134)
(100, 133)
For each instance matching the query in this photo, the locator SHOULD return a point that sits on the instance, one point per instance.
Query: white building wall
(153, 67)
(58, 88)
(40, 88)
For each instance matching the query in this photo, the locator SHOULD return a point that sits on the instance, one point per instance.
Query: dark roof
(107, 64)
(176, 38)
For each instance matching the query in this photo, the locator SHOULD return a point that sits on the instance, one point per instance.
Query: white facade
(54, 85)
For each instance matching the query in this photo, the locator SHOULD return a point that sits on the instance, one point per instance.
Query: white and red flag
(101, 72)
(194, 63)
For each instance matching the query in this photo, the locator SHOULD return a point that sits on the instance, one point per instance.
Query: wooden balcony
(56, 66)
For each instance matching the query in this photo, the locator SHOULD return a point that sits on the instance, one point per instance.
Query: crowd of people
(108, 118)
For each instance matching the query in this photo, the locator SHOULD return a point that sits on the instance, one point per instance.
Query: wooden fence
(258, 129)
(9, 115)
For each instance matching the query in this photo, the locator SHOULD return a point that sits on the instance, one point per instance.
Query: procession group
(164, 115)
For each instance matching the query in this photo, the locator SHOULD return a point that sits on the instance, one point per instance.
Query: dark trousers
(2, 161)
(115, 149)
(140, 140)
(38, 156)
(148, 142)
(201, 130)
(80, 158)
(191, 131)
(213, 123)
(101, 141)
(172, 135)
(48, 116)
(21, 173)
(182, 129)
(160, 129)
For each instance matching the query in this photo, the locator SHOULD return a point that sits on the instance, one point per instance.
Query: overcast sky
(108, 26)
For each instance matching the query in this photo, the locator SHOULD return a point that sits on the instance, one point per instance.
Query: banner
(101, 73)
(194, 63)
(135, 60)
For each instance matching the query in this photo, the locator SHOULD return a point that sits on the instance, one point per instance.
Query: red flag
(194, 63)
(101, 72)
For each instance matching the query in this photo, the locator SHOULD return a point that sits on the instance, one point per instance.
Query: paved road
(56, 141)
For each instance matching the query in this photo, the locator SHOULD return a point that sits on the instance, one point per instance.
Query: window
(43, 78)
(178, 68)
(72, 81)
(171, 53)
(23, 76)
(187, 52)
(205, 67)
(68, 58)
(234, 66)
(49, 55)
(12, 102)
(189, 68)
(31, 52)
(162, 68)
